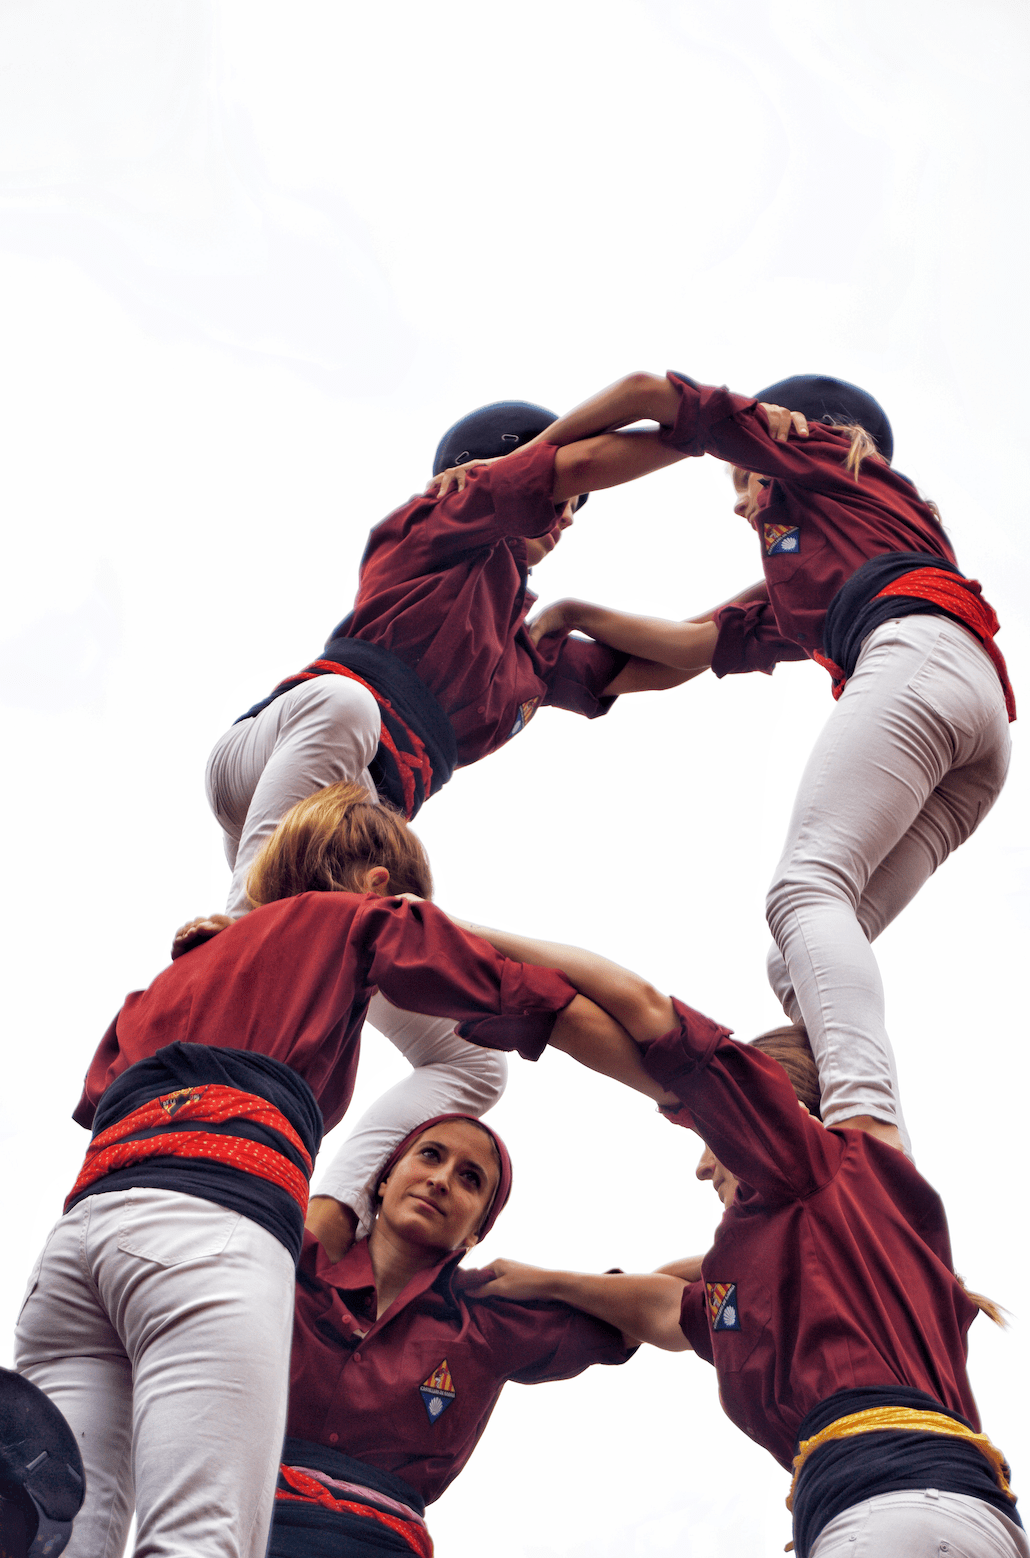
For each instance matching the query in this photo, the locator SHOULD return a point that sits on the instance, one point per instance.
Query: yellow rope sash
(876, 1419)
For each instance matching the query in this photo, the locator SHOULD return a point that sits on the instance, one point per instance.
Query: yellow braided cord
(910, 1419)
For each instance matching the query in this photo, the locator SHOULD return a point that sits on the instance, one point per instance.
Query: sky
(254, 259)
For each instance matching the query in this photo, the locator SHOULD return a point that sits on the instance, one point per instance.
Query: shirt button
(333, 1438)
(357, 1357)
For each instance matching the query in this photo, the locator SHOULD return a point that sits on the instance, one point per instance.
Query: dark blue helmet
(824, 399)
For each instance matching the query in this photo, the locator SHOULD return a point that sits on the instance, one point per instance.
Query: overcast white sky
(254, 258)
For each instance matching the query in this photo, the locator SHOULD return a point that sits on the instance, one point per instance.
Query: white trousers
(319, 733)
(912, 758)
(921, 1525)
(160, 1325)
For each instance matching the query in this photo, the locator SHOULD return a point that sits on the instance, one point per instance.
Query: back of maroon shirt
(443, 587)
(817, 525)
(293, 980)
(832, 1267)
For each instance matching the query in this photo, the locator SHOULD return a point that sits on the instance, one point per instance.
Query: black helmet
(42, 1483)
(500, 428)
(825, 399)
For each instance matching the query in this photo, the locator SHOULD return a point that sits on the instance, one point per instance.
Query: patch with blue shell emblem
(781, 538)
(722, 1306)
(525, 714)
(437, 1392)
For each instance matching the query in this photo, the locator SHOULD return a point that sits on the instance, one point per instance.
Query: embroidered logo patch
(171, 1103)
(722, 1306)
(781, 538)
(525, 714)
(437, 1392)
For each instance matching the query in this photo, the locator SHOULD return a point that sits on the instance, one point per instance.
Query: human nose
(567, 514)
(705, 1165)
(740, 507)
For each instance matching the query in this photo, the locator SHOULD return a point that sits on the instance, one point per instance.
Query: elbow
(643, 1011)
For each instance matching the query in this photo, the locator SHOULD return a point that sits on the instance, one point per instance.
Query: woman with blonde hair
(158, 1315)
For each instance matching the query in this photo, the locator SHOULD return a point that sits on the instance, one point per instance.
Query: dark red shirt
(442, 585)
(835, 1248)
(355, 1382)
(817, 522)
(293, 980)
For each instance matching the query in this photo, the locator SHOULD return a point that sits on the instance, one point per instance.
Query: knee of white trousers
(782, 985)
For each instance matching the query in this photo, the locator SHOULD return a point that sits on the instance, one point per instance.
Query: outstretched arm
(679, 646)
(642, 1010)
(643, 1308)
(593, 1037)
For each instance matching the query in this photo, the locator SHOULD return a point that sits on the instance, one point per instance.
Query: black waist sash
(172, 1075)
(844, 1472)
(854, 611)
(412, 720)
(308, 1530)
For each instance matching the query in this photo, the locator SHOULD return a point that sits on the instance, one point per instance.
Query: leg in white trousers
(913, 756)
(319, 733)
(160, 1325)
(921, 1525)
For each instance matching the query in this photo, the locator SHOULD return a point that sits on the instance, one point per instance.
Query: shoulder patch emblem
(723, 1309)
(525, 714)
(781, 538)
(437, 1392)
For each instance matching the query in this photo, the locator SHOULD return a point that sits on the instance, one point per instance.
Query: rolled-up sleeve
(579, 676)
(422, 962)
(749, 640)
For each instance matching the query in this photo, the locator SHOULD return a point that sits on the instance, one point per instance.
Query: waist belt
(306, 1486)
(909, 1420)
(148, 1132)
(960, 598)
(409, 764)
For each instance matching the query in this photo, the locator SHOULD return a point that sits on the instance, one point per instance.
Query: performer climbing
(158, 1316)
(860, 577)
(397, 1361)
(828, 1304)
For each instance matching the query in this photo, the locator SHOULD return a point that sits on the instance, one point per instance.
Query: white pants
(160, 1325)
(319, 733)
(921, 1525)
(913, 756)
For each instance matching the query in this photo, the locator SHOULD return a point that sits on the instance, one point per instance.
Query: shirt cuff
(531, 999)
(673, 1058)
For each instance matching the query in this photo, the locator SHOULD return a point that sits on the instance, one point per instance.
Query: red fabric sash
(209, 1104)
(959, 597)
(309, 1491)
(408, 763)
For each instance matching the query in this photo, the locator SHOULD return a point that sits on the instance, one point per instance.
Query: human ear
(377, 880)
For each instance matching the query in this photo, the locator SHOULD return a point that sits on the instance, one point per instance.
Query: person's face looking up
(439, 1193)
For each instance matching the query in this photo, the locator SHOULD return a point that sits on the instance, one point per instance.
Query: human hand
(197, 931)
(782, 422)
(333, 1225)
(560, 617)
(511, 1279)
(455, 477)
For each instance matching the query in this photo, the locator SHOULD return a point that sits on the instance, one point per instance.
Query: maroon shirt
(817, 523)
(354, 1381)
(836, 1248)
(442, 585)
(293, 980)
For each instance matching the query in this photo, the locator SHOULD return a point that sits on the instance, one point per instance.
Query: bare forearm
(607, 461)
(682, 646)
(596, 1040)
(754, 592)
(645, 1308)
(637, 397)
(641, 1009)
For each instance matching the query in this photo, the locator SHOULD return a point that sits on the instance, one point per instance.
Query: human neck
(394, 1262)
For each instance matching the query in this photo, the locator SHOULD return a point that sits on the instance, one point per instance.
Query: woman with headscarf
(399, 1357)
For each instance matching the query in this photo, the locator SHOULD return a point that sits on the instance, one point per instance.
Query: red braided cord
(408, 763)
(308, 1491)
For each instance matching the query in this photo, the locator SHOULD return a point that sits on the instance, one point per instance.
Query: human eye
(765, 481)
(474, 1178)
(432, 1153)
